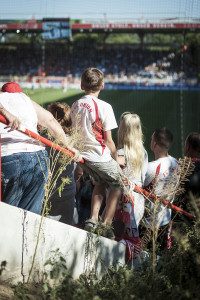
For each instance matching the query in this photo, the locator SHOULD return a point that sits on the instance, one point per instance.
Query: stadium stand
(119, 64)
(135, 64)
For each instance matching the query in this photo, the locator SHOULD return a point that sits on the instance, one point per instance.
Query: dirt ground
(11, 292)
(6, 291)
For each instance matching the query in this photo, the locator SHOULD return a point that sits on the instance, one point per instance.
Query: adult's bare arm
(46, 119)
(13, 121)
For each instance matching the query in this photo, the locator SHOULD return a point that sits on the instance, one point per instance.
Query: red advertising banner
(38, 25)
(135, 25)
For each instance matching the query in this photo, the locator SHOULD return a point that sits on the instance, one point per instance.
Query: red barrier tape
(42, 139)
(71, 154)
(165, 202)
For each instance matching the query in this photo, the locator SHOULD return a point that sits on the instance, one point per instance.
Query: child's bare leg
(111, 205)
(97, 199)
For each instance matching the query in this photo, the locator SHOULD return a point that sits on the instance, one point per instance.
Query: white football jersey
(93, 117)
(162, 177)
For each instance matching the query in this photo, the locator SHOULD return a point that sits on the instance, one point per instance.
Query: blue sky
(93, 9)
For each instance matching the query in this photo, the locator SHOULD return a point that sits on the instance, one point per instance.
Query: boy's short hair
(163, 137)
(92, 80)
(193, 139)
(61, 112)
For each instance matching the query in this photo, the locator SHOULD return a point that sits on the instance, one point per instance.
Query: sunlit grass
(46, 96)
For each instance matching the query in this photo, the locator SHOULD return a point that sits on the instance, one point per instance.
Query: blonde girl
(134, 160)
(130, 146)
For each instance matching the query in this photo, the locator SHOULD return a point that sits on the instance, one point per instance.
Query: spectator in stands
(96, 120)
(63, 204)
(24, 160)
(161, 179)
(122, 64)
(192, 150)
(134, 159)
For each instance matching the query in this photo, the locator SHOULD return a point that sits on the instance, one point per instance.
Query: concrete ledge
(82, 251)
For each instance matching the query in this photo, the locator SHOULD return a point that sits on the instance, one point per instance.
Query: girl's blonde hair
(130, 138)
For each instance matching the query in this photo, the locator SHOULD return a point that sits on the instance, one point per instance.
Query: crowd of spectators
(119, 63)
(116, 174)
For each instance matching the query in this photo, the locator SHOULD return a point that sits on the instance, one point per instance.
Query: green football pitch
(177, 110)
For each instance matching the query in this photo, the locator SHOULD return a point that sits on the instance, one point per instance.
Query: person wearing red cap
(11, 87)
(24, 161)
(12, 121)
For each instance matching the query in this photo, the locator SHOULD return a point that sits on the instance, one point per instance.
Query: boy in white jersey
(95, 124)
(158, 176)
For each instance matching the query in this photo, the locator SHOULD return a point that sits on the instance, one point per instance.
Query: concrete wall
(82, 251)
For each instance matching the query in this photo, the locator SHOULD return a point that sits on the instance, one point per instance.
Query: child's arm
(121, 161)
(78, 173)
(110, 144)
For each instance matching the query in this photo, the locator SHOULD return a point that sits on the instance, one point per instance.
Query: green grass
(155, 108)
(46, 96)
